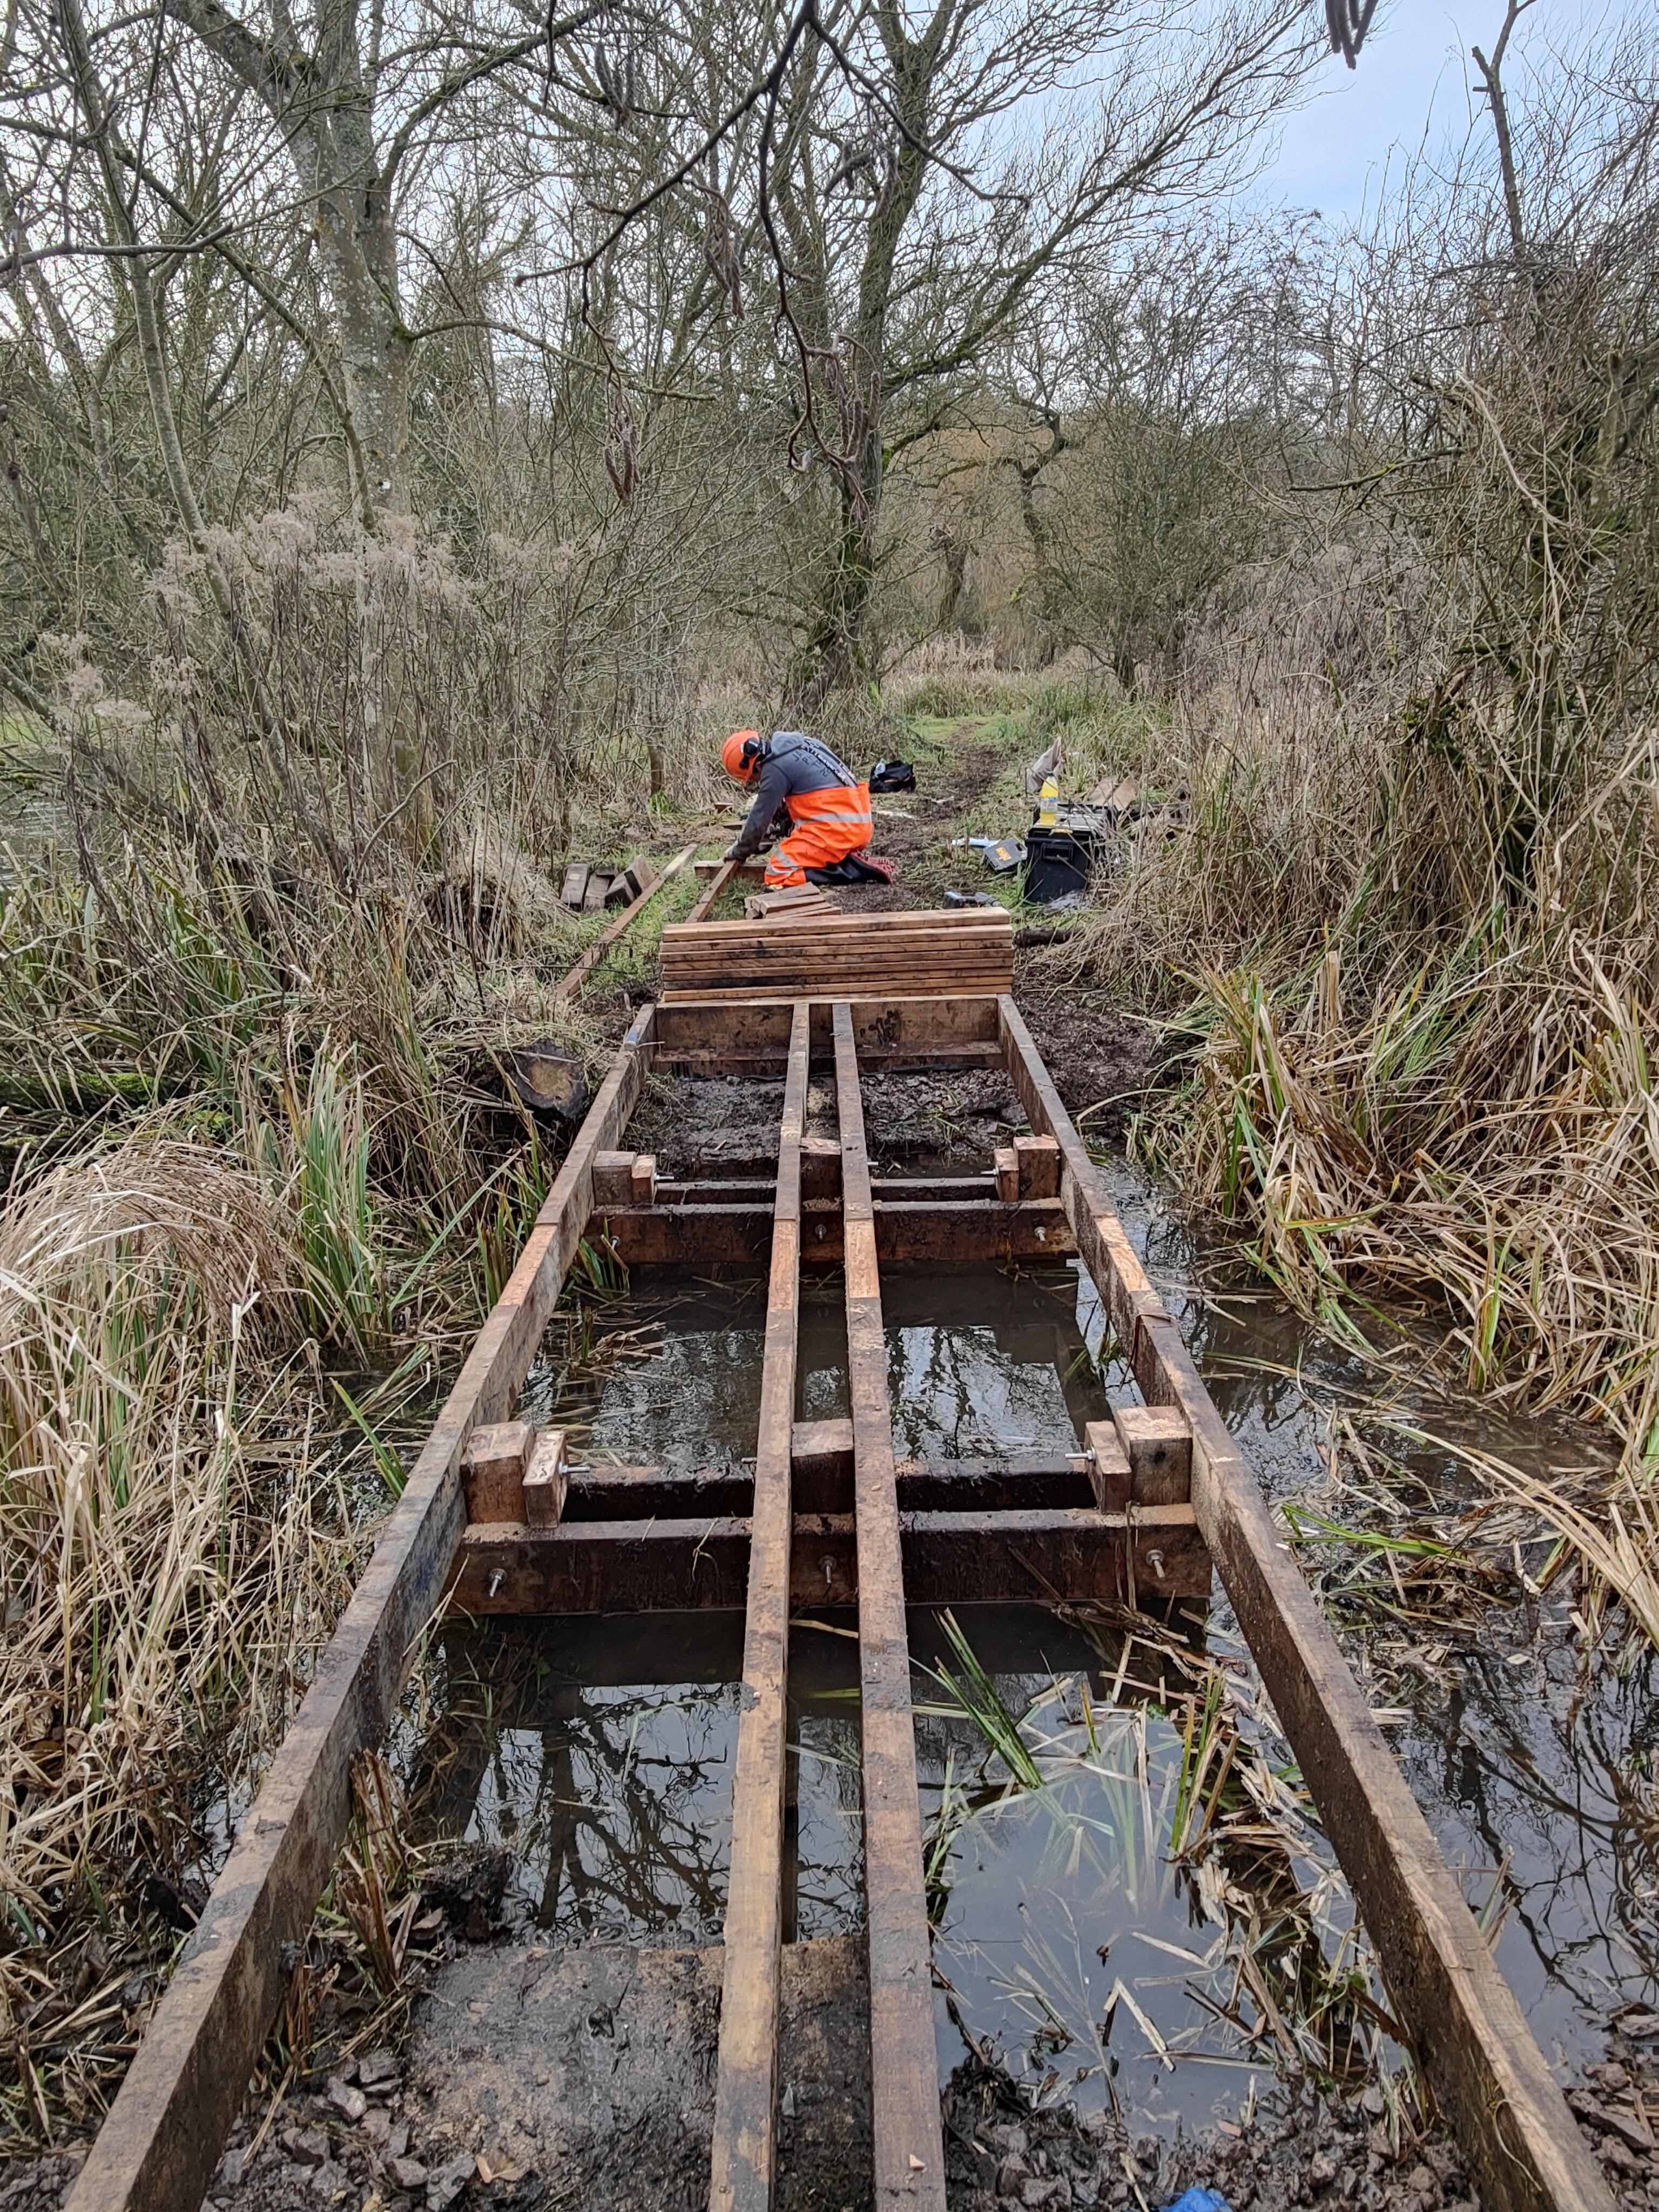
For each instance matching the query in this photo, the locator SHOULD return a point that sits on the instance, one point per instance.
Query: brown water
(601, 1751)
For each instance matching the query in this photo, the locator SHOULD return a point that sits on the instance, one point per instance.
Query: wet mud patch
(951, 1121)
(705, 1127)
(538, 2079)
(1105, 1063)
(596, 2067)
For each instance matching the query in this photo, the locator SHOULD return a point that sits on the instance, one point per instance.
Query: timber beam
(823, 1483)
(716, 1036)
(1059, 1555)
(1473, 2042)
(743, 2155)
(966, 1232)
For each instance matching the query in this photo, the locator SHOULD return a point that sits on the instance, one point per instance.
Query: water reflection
(602, 1751)
(1530, 1760)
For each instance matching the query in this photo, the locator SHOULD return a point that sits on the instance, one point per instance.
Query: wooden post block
(1007, 1174)
(1159, 1445)
(544, 1481)
(821, 1455)
(574, 890)
(1036, 1161)
(642, 1184)
(599, 882)
(620, 892)
(639, 875)
(820, 1169)
(613, 1179)
(1109, 1466)
(493, 1470)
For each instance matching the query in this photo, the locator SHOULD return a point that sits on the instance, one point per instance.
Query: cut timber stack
(789, 905)
(925, 955)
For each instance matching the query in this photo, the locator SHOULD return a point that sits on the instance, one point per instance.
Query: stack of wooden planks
(789, 905)
(920, 955)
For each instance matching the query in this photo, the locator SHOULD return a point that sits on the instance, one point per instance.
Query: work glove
(732, 853)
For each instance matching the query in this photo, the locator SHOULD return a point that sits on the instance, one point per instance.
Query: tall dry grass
(1406, 948)
(176, 1546)
(1403, 1080)
(286, 899)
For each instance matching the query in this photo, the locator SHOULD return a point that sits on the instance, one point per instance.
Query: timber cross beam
(502, 1521)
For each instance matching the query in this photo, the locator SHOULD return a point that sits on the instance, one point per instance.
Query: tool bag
(892, 775)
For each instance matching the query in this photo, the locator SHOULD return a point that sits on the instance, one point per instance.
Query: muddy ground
(539, 2079)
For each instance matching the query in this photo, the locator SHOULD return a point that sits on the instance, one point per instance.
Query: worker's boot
(856, 868)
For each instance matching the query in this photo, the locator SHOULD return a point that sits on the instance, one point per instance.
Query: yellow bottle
(1048, 804)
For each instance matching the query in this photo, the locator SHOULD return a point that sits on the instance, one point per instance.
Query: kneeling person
(795, 776)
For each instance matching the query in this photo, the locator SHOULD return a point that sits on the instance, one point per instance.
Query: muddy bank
(538, 2077)
(537, 2080)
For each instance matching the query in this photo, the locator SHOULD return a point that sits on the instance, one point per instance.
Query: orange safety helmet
(733, 750)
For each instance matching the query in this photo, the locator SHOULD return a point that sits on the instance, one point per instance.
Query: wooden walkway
(829, 1518)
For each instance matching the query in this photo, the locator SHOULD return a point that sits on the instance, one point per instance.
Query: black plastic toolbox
(1059, 861)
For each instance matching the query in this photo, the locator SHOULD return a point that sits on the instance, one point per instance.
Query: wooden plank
(1517, 2134)
(1108, 1466)
(944, 922)
(965, 1232)
(743, 2151)
(764, 945)
(754, 865)
(837, 983)
(570, 985)
(916, 1060)
(796, 951)
(908, 2147)
(721, 877)
(878, 1023)
(158, 2147)
(1159, 1446)
(493, 1470)
(1066, 1554)
(822, 1482)
(1061, 1556)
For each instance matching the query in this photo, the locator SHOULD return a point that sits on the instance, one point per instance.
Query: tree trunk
(832, 655)
(325, 108)
(358, 241)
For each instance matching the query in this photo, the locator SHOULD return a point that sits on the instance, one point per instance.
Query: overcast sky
(1413, 75)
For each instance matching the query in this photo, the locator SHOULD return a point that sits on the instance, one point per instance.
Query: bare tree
(907, 181)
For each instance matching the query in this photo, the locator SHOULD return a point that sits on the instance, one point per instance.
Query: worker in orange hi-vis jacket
(828, 808)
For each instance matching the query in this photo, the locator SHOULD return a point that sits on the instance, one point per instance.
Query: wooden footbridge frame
(830, 1518)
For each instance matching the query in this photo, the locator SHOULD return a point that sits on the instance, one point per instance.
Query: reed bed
(1415, 1094)
(177, 1544)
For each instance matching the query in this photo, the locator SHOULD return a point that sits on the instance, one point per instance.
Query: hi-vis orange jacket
(830, 810)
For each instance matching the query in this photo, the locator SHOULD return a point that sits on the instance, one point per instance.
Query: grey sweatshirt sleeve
(770, 792)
